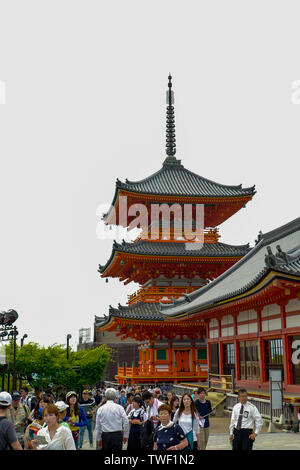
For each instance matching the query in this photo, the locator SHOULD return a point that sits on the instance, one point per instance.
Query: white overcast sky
(86, 84)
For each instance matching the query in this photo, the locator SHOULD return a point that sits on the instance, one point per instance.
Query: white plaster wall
(293, 305)
(227, 319)
(269, 325)
(229, 331)
(249, 328)
(269, 310)
(247, 315)
(213, 334)
(293, 321)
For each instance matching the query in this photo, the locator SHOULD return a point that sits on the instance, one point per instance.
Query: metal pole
(8, 381)
(271, 425)
(208, 377)
(14, 384)
(68, 339)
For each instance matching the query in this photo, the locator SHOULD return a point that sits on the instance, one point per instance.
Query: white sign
(2, 353)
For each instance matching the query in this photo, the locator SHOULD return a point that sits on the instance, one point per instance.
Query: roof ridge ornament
(170, 126)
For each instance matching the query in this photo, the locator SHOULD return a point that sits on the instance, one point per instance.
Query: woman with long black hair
(136, 418)
(75, 416)
(187, 417)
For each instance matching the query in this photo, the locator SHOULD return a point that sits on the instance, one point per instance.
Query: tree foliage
(49, 367)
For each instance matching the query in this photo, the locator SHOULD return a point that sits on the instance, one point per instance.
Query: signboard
(275, 378)
(2, 353)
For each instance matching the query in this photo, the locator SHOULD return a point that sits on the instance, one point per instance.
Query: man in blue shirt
(204, 408)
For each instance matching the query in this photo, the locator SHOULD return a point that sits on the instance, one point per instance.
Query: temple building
(252, 312)
(177, 255)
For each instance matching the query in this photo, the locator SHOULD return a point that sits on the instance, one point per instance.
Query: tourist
(8, 436)
(243, 418)
(168, 435)
(111, 423)
(98, 397)
(62, 410)
(53, 436)
(75, 416)
(152, 405)
(174, 405)
(195, 394)
(136, 418)
(129, 407)
(18, 414)
(37, 422)
(89, 407)
(188, 419)
(170, 395)
(25, 399)
(123, 400)
(204, 409)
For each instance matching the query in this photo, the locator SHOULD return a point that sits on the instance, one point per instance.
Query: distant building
(124, 352)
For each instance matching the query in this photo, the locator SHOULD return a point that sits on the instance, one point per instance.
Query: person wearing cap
(112, 425)
(89, 406)
(8, 436)
(62, 410)
(75, 415)
(18, 414)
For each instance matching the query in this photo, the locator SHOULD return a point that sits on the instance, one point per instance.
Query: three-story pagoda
(177, 252)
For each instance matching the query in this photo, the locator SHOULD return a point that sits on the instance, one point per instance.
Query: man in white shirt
(243, 418)
(152, 407)
(111, 423)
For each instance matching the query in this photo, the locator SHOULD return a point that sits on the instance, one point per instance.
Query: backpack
(147, 431)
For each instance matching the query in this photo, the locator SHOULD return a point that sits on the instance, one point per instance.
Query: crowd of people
(144, 418)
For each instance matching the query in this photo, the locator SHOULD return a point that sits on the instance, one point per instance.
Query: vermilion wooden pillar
(151, 349)
(236, 348)
(170, 356)
(221, 350)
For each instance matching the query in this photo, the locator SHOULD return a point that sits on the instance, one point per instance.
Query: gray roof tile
(173, 180)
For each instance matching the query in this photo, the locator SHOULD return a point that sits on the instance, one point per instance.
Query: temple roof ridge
(288, 235)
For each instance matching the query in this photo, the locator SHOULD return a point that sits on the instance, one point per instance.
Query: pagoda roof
(175, 249)
(138, 311)
(247, 272)
(175, 180)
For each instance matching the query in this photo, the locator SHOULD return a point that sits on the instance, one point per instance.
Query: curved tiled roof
(247, 272)
(173, 180)
(144, 247)
(139, 311)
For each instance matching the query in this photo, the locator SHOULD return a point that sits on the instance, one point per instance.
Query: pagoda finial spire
(170, 130)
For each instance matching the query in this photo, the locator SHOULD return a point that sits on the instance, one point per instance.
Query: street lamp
(22, 339)
(9, 332)
(68, 339)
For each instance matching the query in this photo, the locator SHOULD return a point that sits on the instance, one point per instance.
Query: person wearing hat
(75, 415)
(8, 436)
(62, 410)
(89, 406)
(18, 414)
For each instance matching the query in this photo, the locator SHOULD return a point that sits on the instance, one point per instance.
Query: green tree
(48, 367)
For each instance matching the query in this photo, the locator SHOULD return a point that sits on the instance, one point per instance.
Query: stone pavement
(265, 441)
